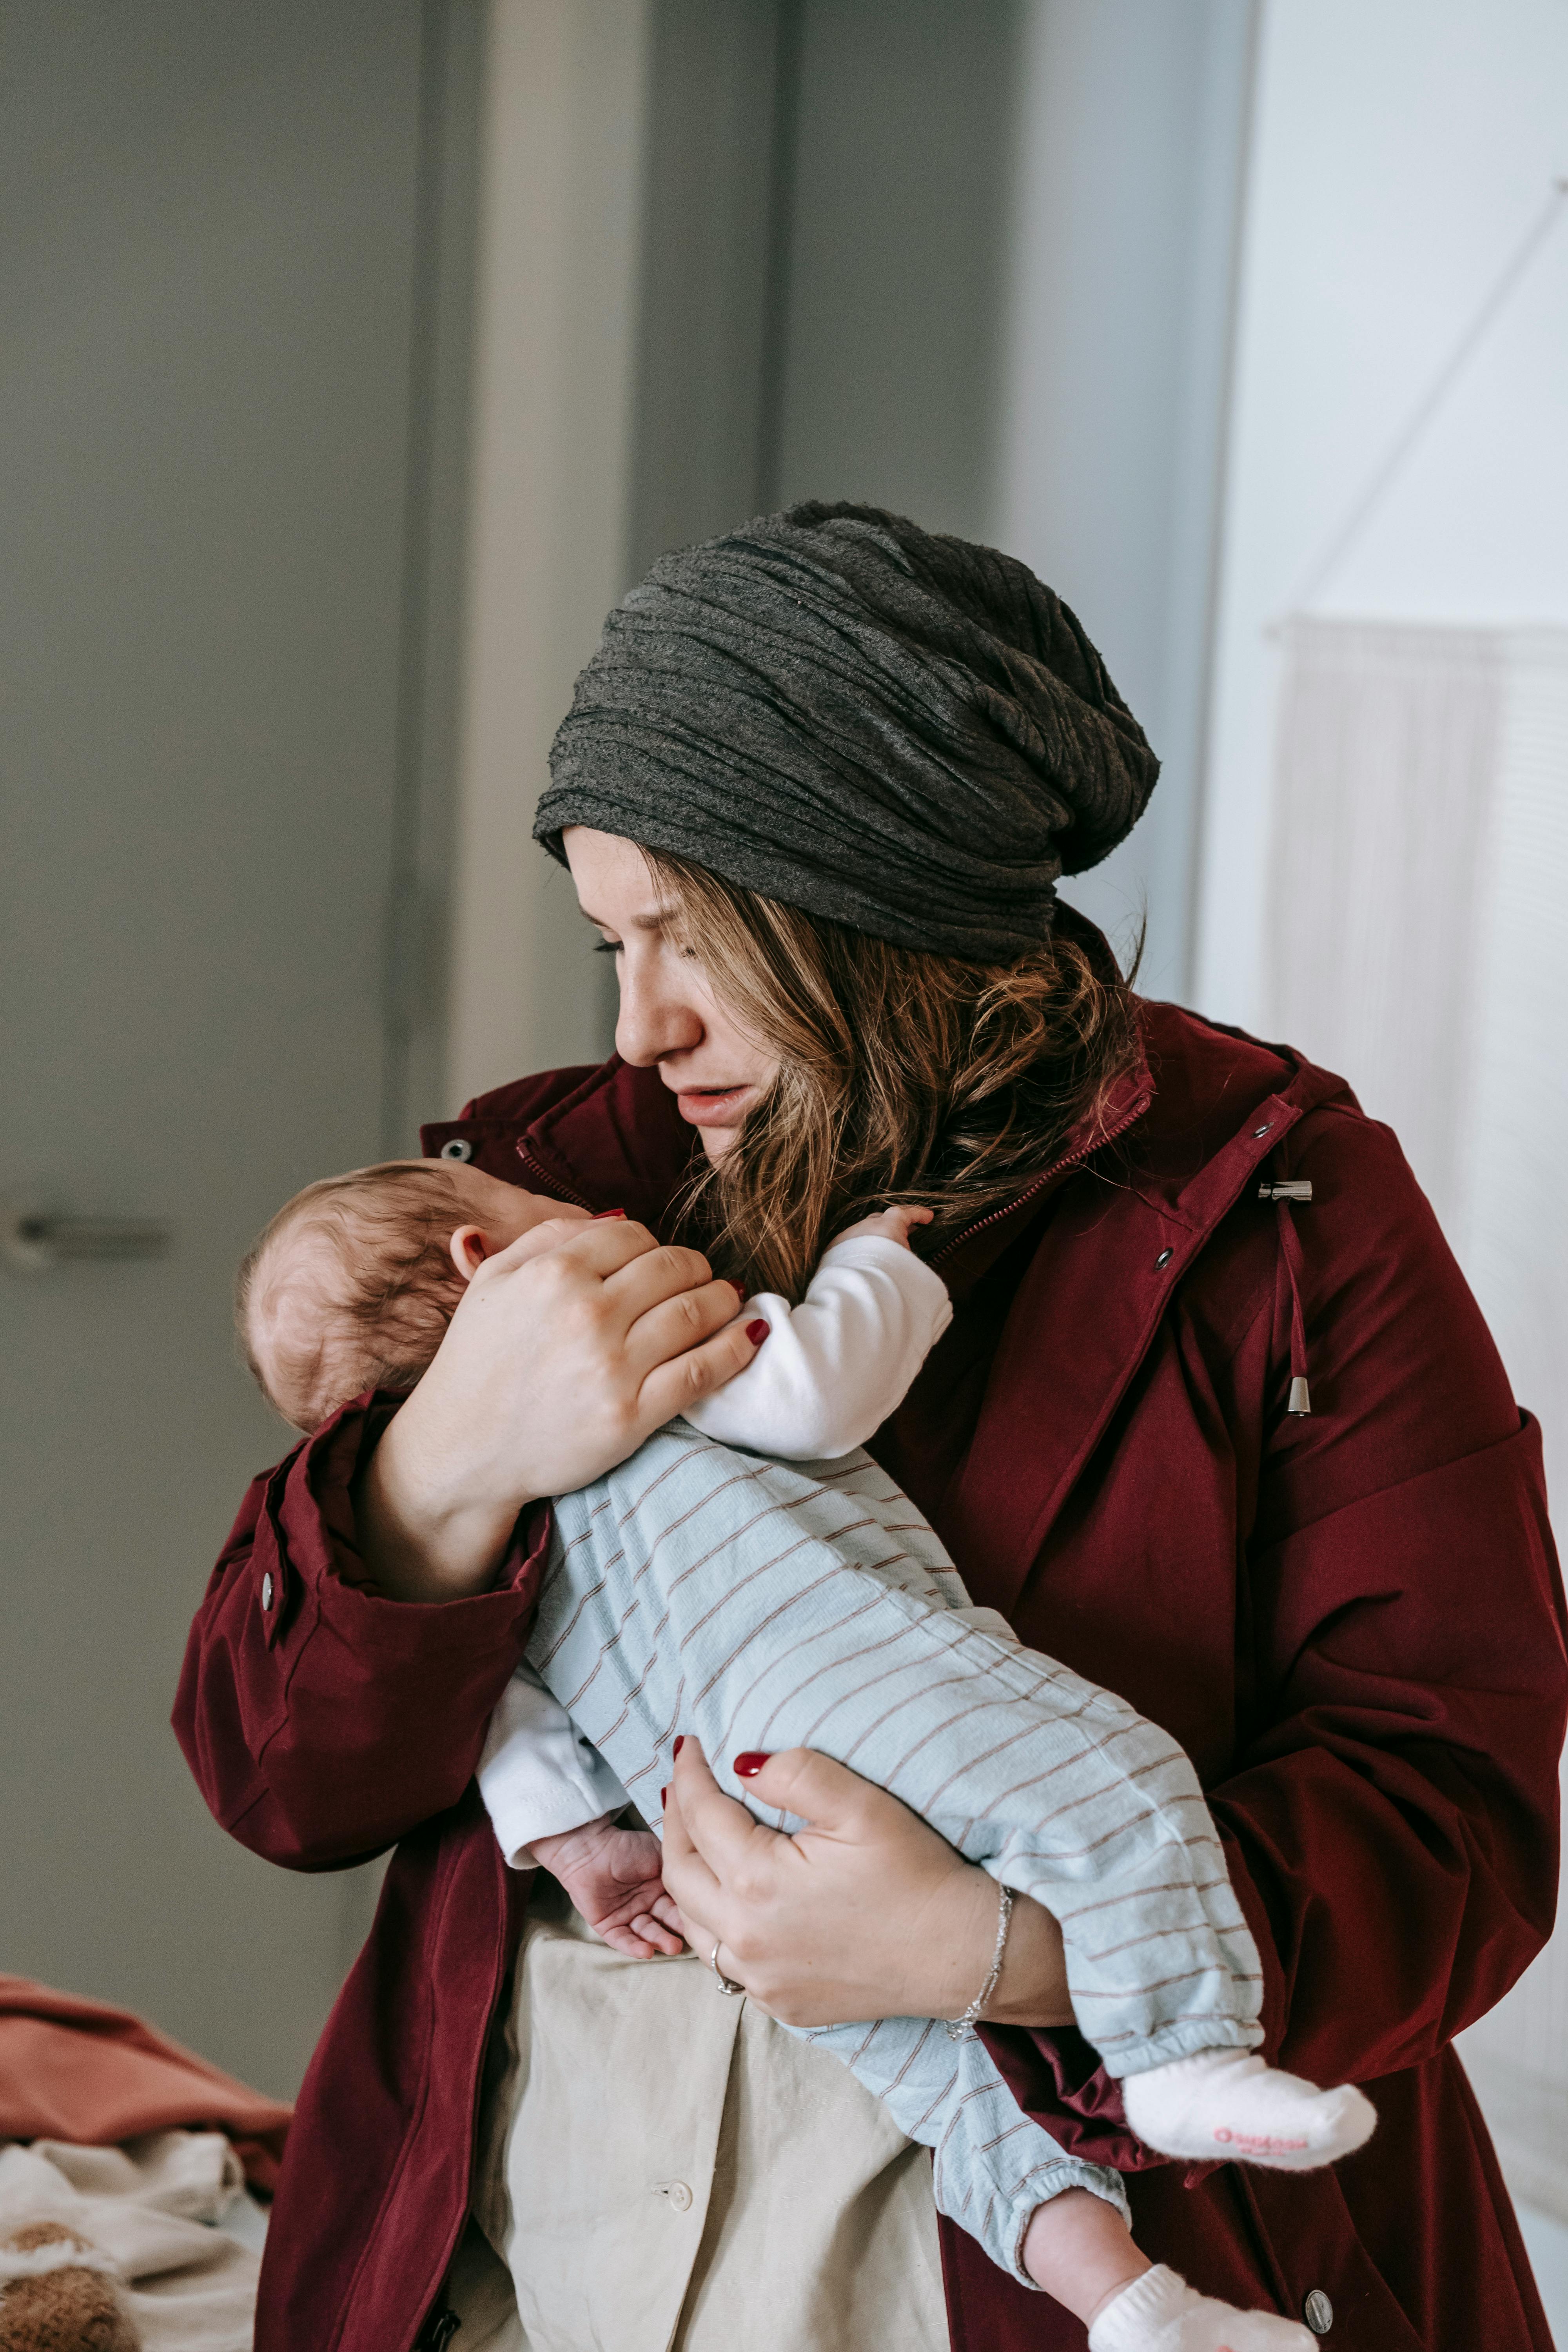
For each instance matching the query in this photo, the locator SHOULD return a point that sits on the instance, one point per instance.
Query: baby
(703, 1588)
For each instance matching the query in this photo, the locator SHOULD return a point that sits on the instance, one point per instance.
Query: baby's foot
(1227, 2105)
(615, 1880)
(1161, 2313)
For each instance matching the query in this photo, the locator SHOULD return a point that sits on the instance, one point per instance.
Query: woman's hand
(557, 1364)
(866, 1913)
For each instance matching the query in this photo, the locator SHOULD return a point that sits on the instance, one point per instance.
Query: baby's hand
(888, 1225)
(612, 1876)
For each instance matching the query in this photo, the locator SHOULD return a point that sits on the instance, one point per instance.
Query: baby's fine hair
(350, 1287)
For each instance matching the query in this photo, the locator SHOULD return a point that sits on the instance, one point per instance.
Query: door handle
(33, 1240)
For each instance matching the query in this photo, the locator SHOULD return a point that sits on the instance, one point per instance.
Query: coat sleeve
(323, 1722)
(1392, 1820)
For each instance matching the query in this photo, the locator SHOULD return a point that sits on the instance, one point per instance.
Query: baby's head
(353, 1283)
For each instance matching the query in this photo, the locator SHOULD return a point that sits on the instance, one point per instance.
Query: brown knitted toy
(59, 2304)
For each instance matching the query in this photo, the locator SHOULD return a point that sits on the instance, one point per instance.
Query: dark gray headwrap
(908, 734)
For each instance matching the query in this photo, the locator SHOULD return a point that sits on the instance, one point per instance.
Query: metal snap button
(267, 1590)
(1164, 1257)
(457, 1147)
(676, 2192)
(1318, 2312)
(1262, 1130)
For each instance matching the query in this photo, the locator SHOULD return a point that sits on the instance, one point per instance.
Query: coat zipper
(557, 1191)
(1068, 1159)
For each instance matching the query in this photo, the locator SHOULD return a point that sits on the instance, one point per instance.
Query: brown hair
(370, 1307)
(903, 1077)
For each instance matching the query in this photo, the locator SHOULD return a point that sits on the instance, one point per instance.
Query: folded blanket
(120, 2244)
(81, 2071)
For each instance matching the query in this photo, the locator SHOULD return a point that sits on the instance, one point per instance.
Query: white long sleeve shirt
(827, 1376)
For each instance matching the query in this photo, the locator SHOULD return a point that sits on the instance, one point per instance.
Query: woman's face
(669, 1018)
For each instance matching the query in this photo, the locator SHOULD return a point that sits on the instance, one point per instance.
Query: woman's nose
(653, 1021)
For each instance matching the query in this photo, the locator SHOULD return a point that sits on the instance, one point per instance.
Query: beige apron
(662, 2169)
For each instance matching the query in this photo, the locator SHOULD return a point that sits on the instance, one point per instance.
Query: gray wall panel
(208, 276)
(902, 173)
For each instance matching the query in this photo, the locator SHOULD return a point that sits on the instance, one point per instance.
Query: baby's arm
(835, 1366)
(614, 1877)
(538, 1776)
(554, 1800)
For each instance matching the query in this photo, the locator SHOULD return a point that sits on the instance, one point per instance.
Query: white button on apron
(267, 1590)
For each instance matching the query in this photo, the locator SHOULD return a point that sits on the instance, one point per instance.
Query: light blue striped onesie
(768, 1604)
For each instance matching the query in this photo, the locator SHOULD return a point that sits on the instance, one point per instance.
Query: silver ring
(726, 1984)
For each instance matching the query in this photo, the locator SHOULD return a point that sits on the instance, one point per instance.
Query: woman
(1247, 1463)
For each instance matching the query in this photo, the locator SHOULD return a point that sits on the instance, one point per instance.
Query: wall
(712, 240)
(823, 255)
(208, 288)
(432, 605)
(553, 373)
(902, 157)
(727, 258)
(1399, 154)
(1118, 304)
(982, 274)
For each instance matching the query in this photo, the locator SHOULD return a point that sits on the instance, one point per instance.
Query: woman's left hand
(864, 1912)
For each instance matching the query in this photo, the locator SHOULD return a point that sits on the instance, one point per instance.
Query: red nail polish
(678, 1744)
(663, 1796)
(735, 1287)
(757, 1332)
(602, 1213)
(750, 1763)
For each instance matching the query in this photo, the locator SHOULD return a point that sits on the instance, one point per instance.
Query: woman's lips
(713, 1106)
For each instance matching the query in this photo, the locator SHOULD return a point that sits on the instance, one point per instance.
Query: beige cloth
(663, 2169)
(150, 2206)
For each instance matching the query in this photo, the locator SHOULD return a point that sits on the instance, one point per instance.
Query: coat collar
(605, 1138)
(1198, 1109)
(619, 1142)
(1094, 1293)
(1133, 1205)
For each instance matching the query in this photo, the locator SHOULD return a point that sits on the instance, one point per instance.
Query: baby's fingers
(886, 1226)
(666, 1912)
(627, 1940)
(657, 1932)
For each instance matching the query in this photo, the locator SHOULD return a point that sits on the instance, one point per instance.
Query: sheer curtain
(1418, 942)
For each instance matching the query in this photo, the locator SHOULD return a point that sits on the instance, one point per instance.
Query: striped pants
(762, 1604)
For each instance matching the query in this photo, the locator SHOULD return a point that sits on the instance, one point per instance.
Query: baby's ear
(469, 1250)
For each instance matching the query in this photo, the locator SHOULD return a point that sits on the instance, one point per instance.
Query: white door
(208, 302)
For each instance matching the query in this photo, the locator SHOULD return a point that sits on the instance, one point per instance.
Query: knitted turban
(908, 734)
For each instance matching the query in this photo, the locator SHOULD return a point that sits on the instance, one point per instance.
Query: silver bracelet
(962, 2028)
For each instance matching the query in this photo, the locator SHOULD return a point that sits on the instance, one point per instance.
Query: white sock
(1227, 2106)
(1161, 2313)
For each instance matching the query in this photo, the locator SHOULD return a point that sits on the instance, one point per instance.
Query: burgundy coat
(1352, 1621)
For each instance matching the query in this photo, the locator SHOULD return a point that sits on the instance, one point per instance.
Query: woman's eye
(607, 947)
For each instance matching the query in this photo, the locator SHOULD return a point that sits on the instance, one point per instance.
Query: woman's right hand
(557, 1364)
